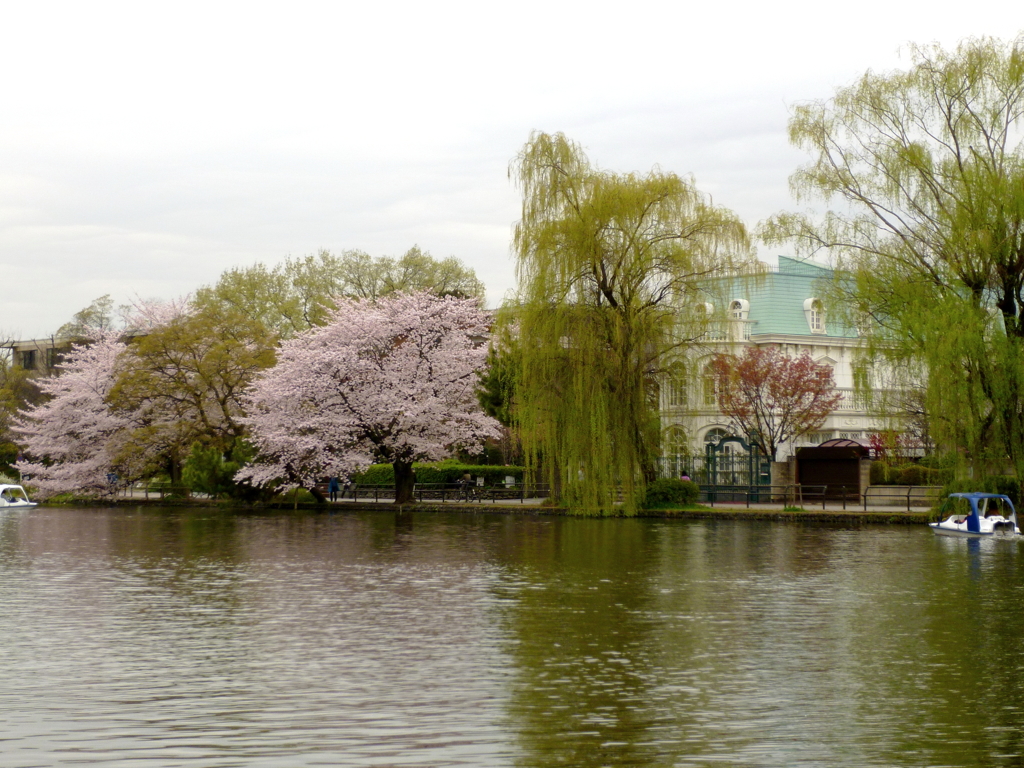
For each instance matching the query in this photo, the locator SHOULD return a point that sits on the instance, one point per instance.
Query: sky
(147, 147)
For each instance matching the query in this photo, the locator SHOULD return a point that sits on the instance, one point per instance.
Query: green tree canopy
(98, 317)
(299, 293)
(18, 390)
(924, 169)
(182, 382)
(613, 271)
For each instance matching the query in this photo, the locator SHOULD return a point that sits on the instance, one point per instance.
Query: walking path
(829, 511)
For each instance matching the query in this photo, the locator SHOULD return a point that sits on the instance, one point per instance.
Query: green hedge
(670, 492)
(908, 474)
(441, 472)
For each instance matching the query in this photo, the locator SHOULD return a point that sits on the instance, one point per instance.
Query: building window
(676, 395)
(677, 445)
(715, 435)
(54, 357)
(739, 312)
(710, 386)
(28, 359)
(815, 314)
(676, 452)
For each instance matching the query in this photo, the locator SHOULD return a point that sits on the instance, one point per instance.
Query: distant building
(39, 355)
(781, 308)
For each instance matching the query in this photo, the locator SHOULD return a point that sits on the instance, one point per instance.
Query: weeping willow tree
(613, 271)
(927, 168)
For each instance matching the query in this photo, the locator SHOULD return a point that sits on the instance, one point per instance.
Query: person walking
(332, 488)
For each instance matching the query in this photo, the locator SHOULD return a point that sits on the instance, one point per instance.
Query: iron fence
(466, 493)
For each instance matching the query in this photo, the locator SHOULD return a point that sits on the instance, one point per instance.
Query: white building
(780, 308)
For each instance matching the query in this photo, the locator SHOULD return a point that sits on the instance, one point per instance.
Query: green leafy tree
(182, 381)
(18, 390)
(499, 378)
(612, 270)
(208, 470)
(496, 392)
(419, 271)
(925, 171)
(298, 294)
(99, 317)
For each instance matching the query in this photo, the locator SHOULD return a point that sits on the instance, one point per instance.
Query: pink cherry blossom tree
(393, 380)
(72, 439)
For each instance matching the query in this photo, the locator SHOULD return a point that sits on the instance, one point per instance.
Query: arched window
(677, 444)
(715, 435)
(815, 315)
(676, 451)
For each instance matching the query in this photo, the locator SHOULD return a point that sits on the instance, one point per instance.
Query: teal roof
(777, 299)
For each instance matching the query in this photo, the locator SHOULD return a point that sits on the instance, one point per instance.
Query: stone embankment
(827, 513)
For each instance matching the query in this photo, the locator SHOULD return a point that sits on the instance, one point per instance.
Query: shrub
(670, 492)
(8, 455)
(908, 474)
(440, 472)
(207, 470)
(296, 496)
(178, 491)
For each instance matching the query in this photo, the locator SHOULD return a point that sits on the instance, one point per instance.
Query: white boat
(977, 514)
(14, 497)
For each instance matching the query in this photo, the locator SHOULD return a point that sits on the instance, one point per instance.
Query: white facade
(781, 310)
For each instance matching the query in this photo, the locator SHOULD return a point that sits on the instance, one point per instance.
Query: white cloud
(147, 147)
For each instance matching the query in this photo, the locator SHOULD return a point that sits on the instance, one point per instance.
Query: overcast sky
(146, 147)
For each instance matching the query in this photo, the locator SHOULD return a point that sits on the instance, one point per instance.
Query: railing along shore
(849, 497)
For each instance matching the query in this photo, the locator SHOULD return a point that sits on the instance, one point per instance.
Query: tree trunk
(316, 494)
(405, 481)
(174, 470)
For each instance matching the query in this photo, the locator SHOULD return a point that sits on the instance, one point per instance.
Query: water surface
(168, 638)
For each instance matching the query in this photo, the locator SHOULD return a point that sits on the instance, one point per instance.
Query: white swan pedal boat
(14, 497)
(977, 514)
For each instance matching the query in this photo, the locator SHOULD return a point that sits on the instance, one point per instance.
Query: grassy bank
(691, 512)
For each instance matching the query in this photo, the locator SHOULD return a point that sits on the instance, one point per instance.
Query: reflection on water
(165, 638)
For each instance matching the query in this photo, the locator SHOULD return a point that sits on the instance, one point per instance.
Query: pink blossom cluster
(76, 438)
(391, 380)
(75, 435)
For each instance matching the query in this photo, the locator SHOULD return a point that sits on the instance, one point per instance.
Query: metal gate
(729, 464)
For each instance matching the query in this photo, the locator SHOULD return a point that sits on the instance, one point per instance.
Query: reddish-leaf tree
(393, 381)
(771, 397)
(893, 447)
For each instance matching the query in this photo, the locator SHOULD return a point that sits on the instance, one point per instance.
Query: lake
(204, 638)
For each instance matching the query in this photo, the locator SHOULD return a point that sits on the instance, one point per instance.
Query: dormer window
(739, 309)
(815, 315)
